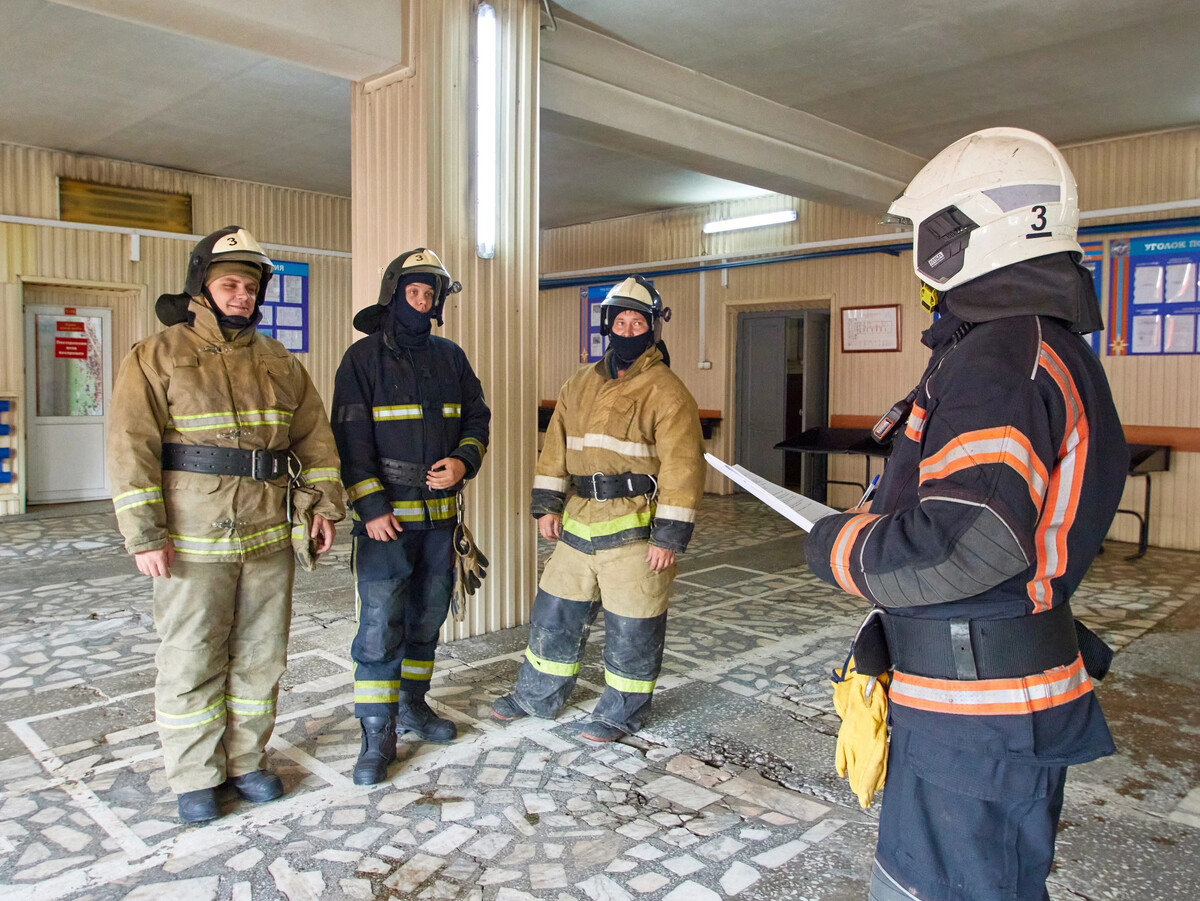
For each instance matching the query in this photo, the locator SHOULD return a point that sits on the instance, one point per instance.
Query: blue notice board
(592, 344)
(1153, 303)
(1093, 261)
(285, 307)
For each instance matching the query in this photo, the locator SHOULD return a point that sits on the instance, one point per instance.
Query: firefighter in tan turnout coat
(618, 482)
(212, 422)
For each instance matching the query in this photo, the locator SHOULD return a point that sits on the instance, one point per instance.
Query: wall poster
(1154, 305)
(285, 306)
(592, 344)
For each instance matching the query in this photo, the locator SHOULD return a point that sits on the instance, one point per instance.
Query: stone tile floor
(730, 792)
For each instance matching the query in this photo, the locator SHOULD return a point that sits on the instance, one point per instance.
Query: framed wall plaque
(870, 329)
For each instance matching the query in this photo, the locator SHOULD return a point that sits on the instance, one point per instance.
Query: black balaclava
(409, 327)
(626, 349)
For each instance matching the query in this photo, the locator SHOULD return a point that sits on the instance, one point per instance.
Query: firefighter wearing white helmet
(1006, 469)
(617, 485)
(411, 426)
(213, 428)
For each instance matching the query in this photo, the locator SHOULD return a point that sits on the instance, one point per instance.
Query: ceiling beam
(600, 90)
(349, 40)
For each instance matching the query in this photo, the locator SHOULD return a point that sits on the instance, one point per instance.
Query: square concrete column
(413, 185)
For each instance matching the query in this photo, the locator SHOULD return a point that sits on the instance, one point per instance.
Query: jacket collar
(203, 321)
(640, 365)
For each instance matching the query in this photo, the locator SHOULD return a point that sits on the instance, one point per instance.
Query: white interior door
(68, 378)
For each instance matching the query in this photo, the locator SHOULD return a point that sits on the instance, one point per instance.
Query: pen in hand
(870, 492)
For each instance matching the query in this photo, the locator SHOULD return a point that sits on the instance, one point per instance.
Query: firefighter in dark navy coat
(1007, 466)
(411, 425)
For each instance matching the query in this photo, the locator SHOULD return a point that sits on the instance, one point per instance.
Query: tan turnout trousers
(223, 628)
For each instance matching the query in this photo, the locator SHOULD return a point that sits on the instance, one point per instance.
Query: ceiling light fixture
(728, 225)
(486, 151)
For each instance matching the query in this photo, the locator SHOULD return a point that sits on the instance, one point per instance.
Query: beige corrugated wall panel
(1148, 391)
(414, 186)
(1158, 391)
(275, 215)
(678, 234)
(78, 258)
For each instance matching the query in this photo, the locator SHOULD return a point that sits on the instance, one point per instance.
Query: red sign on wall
(71, 348)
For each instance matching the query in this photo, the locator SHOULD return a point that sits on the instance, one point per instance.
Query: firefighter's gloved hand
(472, 569)
(861, 702)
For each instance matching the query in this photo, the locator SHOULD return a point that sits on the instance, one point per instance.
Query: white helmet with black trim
(635, 293)
(994, 198)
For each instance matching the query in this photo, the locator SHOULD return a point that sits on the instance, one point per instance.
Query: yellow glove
(861, 702)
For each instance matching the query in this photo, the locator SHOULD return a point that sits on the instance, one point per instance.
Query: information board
(1153, 302)
(285, 306)
(592, 344)
(1093, 261)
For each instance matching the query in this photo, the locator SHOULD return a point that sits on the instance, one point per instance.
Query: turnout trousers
(958, 826)
(402, 590)
(223, 630)
(574, 588)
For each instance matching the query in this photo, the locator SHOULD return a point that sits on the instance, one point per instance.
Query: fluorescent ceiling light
(486, 152)
(728, 225)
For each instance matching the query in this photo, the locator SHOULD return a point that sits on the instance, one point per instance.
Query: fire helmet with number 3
(637, 294)
(231, 244)
(994, 198)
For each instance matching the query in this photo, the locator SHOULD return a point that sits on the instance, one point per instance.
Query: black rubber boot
(414, 715)
(257, 787)
(378, 749)
(198, 806)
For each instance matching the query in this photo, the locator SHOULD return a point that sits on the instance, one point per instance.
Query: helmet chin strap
(930, 297)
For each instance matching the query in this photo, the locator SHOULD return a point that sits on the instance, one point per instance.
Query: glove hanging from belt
(861, 701)
(471, 565)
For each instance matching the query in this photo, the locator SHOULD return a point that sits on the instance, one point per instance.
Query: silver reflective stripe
(400, 411)
(212, 712)
(363, 488)
(322, 475)
(234, 544)
(679, 514)
(139, 497)
(885, 888)
(607, 442)
(244, 707)
(549, 483)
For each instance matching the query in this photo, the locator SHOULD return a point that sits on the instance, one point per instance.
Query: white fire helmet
(991, 199)
(638, 294)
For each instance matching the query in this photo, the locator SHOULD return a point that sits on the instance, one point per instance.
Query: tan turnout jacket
(190, 385)
(644, 422)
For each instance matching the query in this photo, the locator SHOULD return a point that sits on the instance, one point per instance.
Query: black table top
(824, 440)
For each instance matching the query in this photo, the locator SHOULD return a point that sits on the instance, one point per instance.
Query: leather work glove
(861, 702)
(472, 570)
(301, 501)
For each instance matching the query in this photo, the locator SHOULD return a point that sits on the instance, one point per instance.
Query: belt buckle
(596, 488)
(264, 472)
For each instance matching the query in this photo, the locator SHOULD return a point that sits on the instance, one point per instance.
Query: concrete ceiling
(830, 99)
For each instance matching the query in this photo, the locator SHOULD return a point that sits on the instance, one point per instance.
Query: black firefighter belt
(260, 465)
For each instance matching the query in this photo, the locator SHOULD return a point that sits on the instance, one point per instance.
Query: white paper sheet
(1181, 283)
(1147, 284)
(799, 509)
